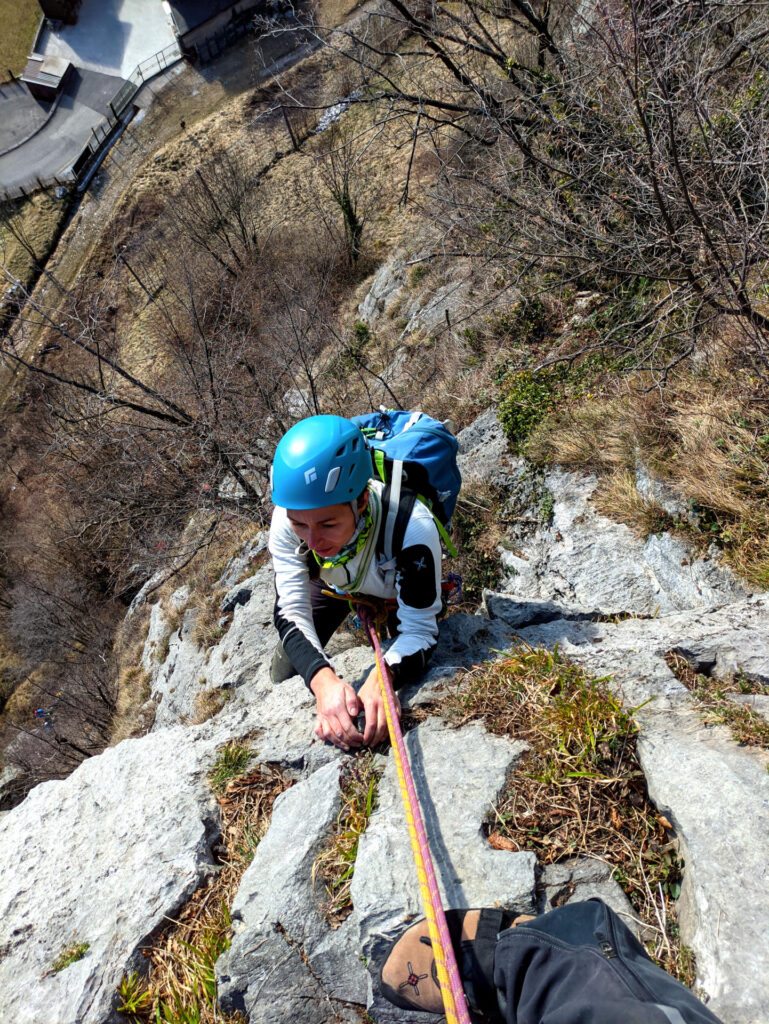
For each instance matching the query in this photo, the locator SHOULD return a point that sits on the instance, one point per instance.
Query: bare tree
(613, 144)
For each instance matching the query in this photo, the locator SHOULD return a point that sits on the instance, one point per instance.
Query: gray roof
(188, 14)
(45, 70)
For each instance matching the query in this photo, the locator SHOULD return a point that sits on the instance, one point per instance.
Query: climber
(325, 536)
(576, 964)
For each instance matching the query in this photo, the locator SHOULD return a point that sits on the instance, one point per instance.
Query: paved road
(111, 36)
(57, 145)
(20, 114)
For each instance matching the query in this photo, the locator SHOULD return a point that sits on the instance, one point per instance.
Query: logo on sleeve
(420, 564)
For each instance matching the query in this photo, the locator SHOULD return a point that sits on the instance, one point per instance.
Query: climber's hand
(337, 706)
(370, 695)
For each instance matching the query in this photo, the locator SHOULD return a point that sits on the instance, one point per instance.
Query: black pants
(580, 964)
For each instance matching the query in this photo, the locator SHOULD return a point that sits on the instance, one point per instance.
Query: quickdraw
(449, 981)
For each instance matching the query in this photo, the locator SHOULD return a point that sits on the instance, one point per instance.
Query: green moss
(70, 955)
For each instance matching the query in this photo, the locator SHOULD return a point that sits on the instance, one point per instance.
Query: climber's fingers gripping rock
(337, 706)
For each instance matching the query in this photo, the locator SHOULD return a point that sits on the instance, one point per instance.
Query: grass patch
(231, 761)
(580, 788)
(70, 955)
(478, 530)
(29, 231)
(335, 864)
(181, 985)
(19, 20)
(210, 622)
(209, 703)
(617, 497)
(745, 725)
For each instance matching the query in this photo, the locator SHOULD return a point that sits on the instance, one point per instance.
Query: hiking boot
(409, 978)
(281, 667)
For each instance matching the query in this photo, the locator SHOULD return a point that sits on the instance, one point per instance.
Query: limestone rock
(458, 775)
(661, 494)
(483, 452)
(100, 858)
(285, 962)
(388, 281)
(584, 878)
(588, 562)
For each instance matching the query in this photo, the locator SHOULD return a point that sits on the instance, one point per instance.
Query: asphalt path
(22, 115)
(84, 103)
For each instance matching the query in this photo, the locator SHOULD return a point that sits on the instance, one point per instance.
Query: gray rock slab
(458, 775)
(483, 452)
(101, 857)
(384, 291)
(588, 562)
(662, 494)
(239, 565)
(188, 671)
(285, 962)
(583, 878)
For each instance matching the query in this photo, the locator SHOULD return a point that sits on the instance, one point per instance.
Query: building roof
(188, 14)
(42, 70)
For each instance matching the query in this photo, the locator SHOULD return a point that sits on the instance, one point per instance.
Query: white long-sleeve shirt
(413, 580)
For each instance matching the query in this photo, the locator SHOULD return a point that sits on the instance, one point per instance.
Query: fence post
(288, 125)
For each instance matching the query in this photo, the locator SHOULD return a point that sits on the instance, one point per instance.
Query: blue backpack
(415, 456)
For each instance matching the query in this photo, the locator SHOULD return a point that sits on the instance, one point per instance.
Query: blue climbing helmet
(320, 461)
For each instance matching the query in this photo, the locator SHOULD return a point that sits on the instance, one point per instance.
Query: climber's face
(326, 530)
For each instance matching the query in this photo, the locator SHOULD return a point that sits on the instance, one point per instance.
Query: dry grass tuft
(704, 433)
(181, 986)
(617, 498)
(580, 788)
(479, 526)
(209, 703)
(713, 694)
(210, 623)
(19, 19)
(335, 864)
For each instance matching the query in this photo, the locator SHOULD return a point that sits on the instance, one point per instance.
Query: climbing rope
(450, 984)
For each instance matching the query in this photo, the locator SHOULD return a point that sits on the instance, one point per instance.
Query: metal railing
(104, 130)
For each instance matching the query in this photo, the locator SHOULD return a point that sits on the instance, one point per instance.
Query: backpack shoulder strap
(397, 506)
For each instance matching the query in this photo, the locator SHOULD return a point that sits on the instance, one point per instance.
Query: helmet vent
(332, 479)
(340, 451)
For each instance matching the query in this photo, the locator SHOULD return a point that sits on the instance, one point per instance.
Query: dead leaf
(616, 820)
(500, 842)
(664, 821)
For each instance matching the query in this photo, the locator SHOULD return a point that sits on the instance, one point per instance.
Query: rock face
(457, 775)
(714, 791)
(578, 558)
(106, 855)
(99, 858)
(304, 972)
